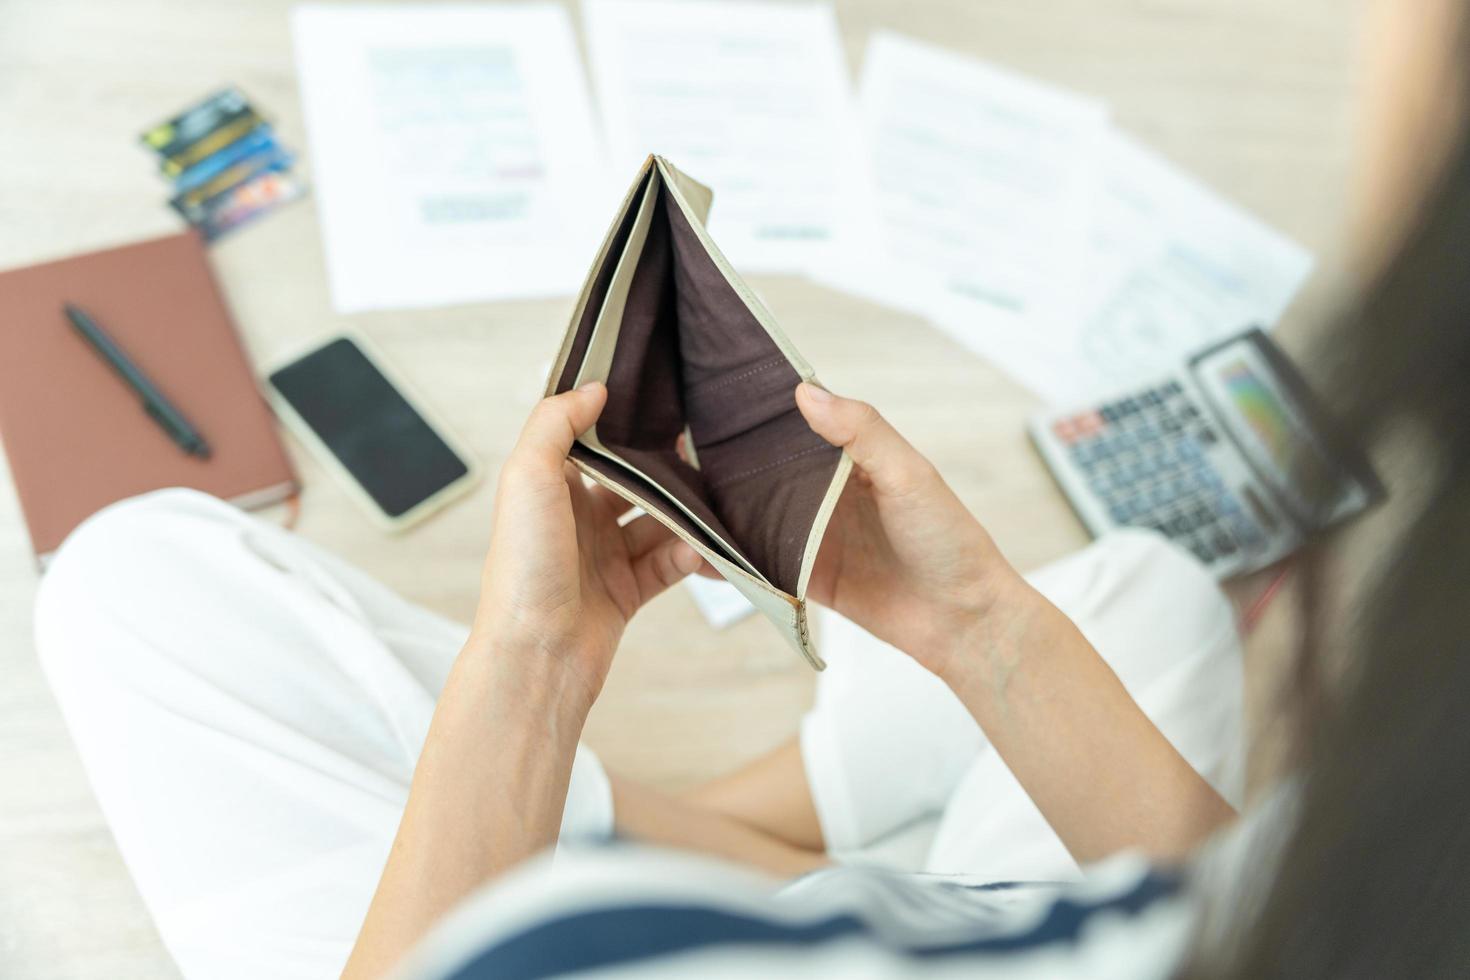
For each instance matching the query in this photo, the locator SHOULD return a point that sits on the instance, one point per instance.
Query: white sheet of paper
(719, 602)
(750, 98)
(1172, 267)
(984, 184)
(453, 152)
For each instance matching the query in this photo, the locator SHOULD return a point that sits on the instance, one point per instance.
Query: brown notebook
(77, 437)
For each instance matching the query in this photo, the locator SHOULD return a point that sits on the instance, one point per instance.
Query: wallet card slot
(595, 290)
(650, 496)
(597, 360)
(688, 511)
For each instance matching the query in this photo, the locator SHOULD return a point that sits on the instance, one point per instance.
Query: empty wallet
(686, 349)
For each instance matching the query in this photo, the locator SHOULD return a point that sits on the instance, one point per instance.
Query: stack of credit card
(224, 162)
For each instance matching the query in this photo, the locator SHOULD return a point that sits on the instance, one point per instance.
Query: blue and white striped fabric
(626, 911)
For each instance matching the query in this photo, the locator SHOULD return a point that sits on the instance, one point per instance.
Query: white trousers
(902, 776)
(249, 710)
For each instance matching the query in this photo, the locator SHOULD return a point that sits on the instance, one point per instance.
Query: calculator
(1229, 455)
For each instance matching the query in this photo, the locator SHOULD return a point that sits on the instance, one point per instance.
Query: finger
(643, 533)
(554, 425)
(892, 465)
(662, 567)
(614, 503)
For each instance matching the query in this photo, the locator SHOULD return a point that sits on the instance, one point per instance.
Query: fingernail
(589, 386)
(816, 392)
(686, 559)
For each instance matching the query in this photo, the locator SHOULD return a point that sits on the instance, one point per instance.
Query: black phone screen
(372, 429)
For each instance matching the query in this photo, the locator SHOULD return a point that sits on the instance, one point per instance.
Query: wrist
(529, 674)
(981, 645)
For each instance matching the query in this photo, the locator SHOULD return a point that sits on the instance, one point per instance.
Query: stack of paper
(454, 152)
(751, 98)
(456, 159)
(1015, 218)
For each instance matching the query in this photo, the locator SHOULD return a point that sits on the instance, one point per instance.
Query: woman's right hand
(902, 556)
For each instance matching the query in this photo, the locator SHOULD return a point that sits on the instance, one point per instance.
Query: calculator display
(1272, 432)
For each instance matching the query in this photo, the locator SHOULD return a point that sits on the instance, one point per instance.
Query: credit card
(259, 195)
(259, 139)
(224, 163)
(195, 122)
(216, 139)
(191, 203)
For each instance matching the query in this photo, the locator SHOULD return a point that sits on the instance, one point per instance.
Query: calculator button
(1247, 534)
(1206, 436)
(1223, 543)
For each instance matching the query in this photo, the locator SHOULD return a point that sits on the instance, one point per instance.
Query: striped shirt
(624, 911)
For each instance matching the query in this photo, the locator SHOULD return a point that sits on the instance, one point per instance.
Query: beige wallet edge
(565, 351)
(786, 612)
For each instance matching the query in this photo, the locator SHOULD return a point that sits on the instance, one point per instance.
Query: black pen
(162, 411)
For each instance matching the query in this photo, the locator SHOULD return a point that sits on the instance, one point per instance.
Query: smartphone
(384, 447)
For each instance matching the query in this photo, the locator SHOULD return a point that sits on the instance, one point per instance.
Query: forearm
(1100, 772)
(488, 792)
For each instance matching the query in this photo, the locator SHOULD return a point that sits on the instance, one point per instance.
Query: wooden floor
(1254, 96)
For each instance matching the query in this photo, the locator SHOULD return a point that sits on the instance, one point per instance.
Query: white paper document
(751, 99)
(1171, 268)
(984, 185)
(453, 151)
(1013, 216)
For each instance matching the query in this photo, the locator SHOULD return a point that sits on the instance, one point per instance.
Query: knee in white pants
(1163, 570)
(1145, 603)
(131, 555)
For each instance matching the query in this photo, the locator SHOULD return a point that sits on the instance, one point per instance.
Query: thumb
(893, 466)
(554, 425)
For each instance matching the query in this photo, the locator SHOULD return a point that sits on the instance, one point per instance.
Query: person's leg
(881, 750)
(1161, 622)
(647, 815)
(770, 794)
(887, 745)
(249, 711)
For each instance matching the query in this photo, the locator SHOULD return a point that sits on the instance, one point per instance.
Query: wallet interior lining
(689, 352)
(597, 366)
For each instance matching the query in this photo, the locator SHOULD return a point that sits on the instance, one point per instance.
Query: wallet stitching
(770, 466)
(724, 382)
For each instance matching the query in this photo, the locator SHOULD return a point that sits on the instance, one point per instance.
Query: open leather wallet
(687, 350)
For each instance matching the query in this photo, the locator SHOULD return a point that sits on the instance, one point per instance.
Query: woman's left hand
(562, 578)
